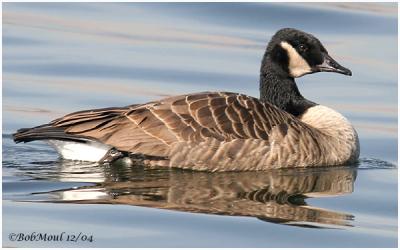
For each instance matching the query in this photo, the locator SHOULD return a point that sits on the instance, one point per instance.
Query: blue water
(63, 57)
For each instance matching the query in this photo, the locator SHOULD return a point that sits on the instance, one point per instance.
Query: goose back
(215, 131)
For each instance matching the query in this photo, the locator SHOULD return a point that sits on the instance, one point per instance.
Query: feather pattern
(215, 131)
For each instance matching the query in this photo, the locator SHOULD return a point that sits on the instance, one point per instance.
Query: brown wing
(151, 128)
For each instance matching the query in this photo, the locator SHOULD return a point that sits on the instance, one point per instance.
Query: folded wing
(156, 127)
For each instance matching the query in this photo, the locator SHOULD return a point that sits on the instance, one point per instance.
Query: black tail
(46, 132)
(82, 121)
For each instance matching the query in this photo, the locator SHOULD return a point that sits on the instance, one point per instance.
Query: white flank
(92, 151)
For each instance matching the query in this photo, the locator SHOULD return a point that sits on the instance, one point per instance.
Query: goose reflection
(276, 196)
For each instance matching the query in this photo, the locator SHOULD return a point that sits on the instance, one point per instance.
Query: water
(59, 58)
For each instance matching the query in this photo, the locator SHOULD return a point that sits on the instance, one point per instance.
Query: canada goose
(219, 131)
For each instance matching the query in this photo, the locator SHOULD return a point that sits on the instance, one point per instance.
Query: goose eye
(302, 47)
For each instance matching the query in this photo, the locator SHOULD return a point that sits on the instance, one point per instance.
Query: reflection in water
(276, 196)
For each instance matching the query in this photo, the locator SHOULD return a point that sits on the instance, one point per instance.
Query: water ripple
(373, 163)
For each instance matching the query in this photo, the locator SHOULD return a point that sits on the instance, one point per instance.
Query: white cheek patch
(297, 65)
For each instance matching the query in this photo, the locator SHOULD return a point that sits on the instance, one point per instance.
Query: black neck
(278, 88)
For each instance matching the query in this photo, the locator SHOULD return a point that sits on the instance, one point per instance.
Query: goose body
(219, 131)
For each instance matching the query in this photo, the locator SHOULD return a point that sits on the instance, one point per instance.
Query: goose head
(298, 53)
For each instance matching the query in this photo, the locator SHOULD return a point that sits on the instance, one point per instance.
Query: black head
(299, 53)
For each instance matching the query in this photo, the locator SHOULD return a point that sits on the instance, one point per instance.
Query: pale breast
(341, 136)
